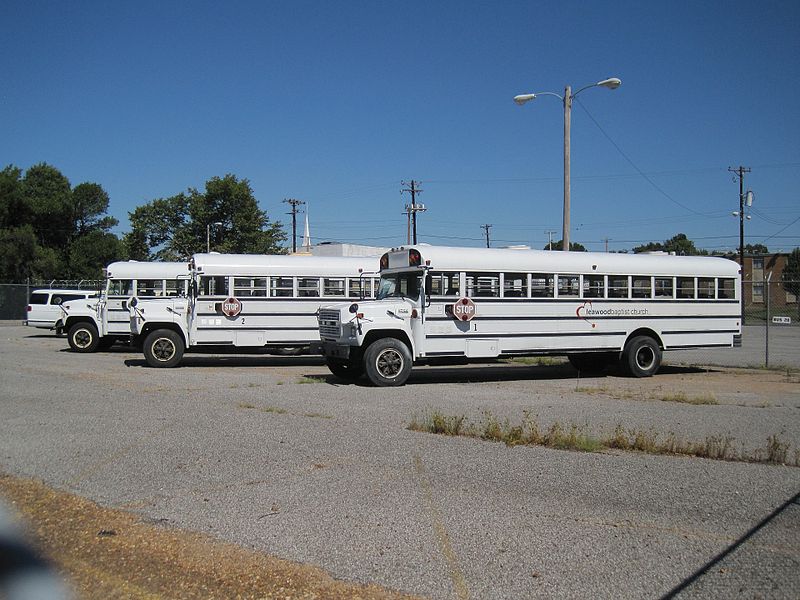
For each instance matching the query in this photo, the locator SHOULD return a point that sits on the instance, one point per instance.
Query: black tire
(642, 357)
(592, 362)
(59, 329)
(82, 337)
(163, 348)
(387, 362)
(347, 370)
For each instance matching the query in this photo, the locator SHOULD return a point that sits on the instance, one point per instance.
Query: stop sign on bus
(231, 307)
(464, 309)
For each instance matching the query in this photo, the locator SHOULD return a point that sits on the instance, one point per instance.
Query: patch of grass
(246, 405)
(578, 437)
(306, 380)
(274, 409)
(538, 361)
(685, 399)
(314, 415)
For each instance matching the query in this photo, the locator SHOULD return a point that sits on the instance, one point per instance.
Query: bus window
(120, 287)
(726, 288)
(685, 287)
(250, 286)
(641, 287)
(333, 287)
(213, 285)
(617, 286)
(360, 287)
(149, 287)
(663, 287)
(485, 285)
(542, 285)
(175, 287)
(445, 284)
(308, 287)
(705, 288)
(282, 287)
(568, 285)
(515, 285)
(594, 286)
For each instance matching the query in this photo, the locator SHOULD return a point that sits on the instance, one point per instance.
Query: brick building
(757, 267)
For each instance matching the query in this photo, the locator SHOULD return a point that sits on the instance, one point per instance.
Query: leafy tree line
(51, 230)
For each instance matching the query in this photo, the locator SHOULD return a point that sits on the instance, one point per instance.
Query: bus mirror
(354, 308)
(132, 302)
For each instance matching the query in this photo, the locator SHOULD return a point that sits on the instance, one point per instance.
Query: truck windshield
(400, 285)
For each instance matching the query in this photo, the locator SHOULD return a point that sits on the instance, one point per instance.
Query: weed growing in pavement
(682, 397)
(306, 380)
(578, 437)
(538, 361)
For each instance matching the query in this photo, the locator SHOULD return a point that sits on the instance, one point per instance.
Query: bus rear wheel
(82, 337)
(387, 362)
(642, 357)
(163, 348)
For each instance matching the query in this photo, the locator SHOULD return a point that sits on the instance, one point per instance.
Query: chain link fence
(14, 296)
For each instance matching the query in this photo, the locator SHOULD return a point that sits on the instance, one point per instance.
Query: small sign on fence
(782, 320)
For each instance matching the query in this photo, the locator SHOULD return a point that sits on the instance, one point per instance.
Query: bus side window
(726, 288)
(515, 285)
(485, 285)
(444, 284)
(705, 288)
(617, 286)
(594, 286)
(213, 285)
(281, 287)
(685, 287)
(333, 286)
(568, 286)
(308, 287)
(641, 287)
(542, 285)
(664, 287)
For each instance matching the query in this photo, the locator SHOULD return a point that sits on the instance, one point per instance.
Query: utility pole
(550, 238)
(486, 228)
(739, 172)
(606, 240)
(294, 204)
(413, 208)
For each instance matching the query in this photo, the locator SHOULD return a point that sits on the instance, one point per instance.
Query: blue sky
(335, 103)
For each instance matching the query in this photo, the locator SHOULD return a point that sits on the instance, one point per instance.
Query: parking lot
(274, 454)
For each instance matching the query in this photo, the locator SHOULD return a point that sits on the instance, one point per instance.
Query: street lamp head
(611, 83)
(523, 98)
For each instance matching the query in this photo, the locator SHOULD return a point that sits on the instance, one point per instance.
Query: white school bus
(596, 308)
(266, 302)
(97, 323)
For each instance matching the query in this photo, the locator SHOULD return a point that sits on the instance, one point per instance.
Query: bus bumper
(336, 350)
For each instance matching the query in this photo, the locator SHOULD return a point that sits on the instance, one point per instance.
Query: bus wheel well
(73, 320)
(150, 327)
(386, 333)
(647, 333)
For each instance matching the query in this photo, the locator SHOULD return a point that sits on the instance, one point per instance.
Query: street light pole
(611, 83)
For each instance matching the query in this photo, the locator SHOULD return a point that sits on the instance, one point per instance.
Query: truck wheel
(82, 337)
(347, 370)
(387, 362)
(642, 357)
(163, 348)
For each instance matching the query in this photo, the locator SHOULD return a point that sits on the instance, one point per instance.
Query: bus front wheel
(642, 357)
(163, 348)
(387, 362)
(82, 337)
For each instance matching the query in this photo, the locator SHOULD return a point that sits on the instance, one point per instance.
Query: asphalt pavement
(274, 454)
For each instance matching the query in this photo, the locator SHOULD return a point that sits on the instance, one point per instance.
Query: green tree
(175, 228)
(573, 246)
(48, 194)
(755, 249)
(791, 276)
(679, 244)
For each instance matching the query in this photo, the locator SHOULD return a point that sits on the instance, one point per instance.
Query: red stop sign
(231, 307)
(464, 309)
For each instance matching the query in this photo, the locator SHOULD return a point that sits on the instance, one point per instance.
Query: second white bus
(248, 301)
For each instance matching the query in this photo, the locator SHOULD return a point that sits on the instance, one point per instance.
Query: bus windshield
(400, 285)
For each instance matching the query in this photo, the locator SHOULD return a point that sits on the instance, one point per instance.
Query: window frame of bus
(254, 286)
(521, 291)
(493, 278)
(333, 291)
(661, 287)
(681, 289)
(304, 290)
(573, 283)
(726, 292)
(111, 291)
(437, 277)
(708, 283)
(634, 289)
(278, 291)
(204, 290)
(590, 278)
(141, 287)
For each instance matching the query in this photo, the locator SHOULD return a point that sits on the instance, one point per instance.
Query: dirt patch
(107, 553)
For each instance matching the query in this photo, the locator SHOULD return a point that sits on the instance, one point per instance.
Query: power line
(294, 204)
(486, 228)
(413, 208)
